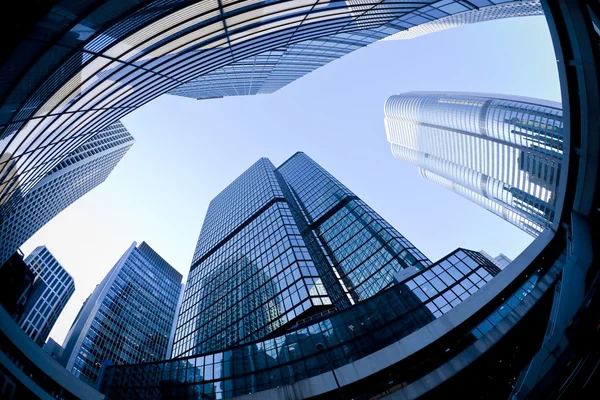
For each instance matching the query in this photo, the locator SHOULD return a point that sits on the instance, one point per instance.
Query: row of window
(345, 337)
(134, 320)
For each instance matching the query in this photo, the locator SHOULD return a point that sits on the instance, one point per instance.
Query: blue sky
(187, 151)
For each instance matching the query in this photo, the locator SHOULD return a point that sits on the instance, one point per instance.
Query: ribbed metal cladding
(502, 152)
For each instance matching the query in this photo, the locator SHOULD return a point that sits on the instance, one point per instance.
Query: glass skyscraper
(84, 169)
(315, 345)
(83, 68)
(293, 276)
(463, 14)
(128, 318)
(280, 245)
(502, 152)
(48, 298)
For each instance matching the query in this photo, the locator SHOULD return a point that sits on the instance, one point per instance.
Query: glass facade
(360, 246)
(85, 168)
(516, 298)
(49, 298)
(128, 318)
(280, 245)
(82, 68)
(487, 10)
(311, 348)
(502, 152)
(451, 280)
(251, 273)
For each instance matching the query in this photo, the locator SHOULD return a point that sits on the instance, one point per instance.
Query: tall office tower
(72, 82)
(84, 169)
(279, 245)
(49, 297)
(128, 318)
(501, 152)
(485, 10)
(501, 261)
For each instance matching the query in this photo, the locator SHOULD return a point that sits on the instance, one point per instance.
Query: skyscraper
(485, 10)
(279, 245)
(128, 318)
(49, 298)
(73, 83)
(502, 152)
(319, 344)
(84, 169)
(293, 276)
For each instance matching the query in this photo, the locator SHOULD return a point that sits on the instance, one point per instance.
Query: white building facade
(502, 152)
